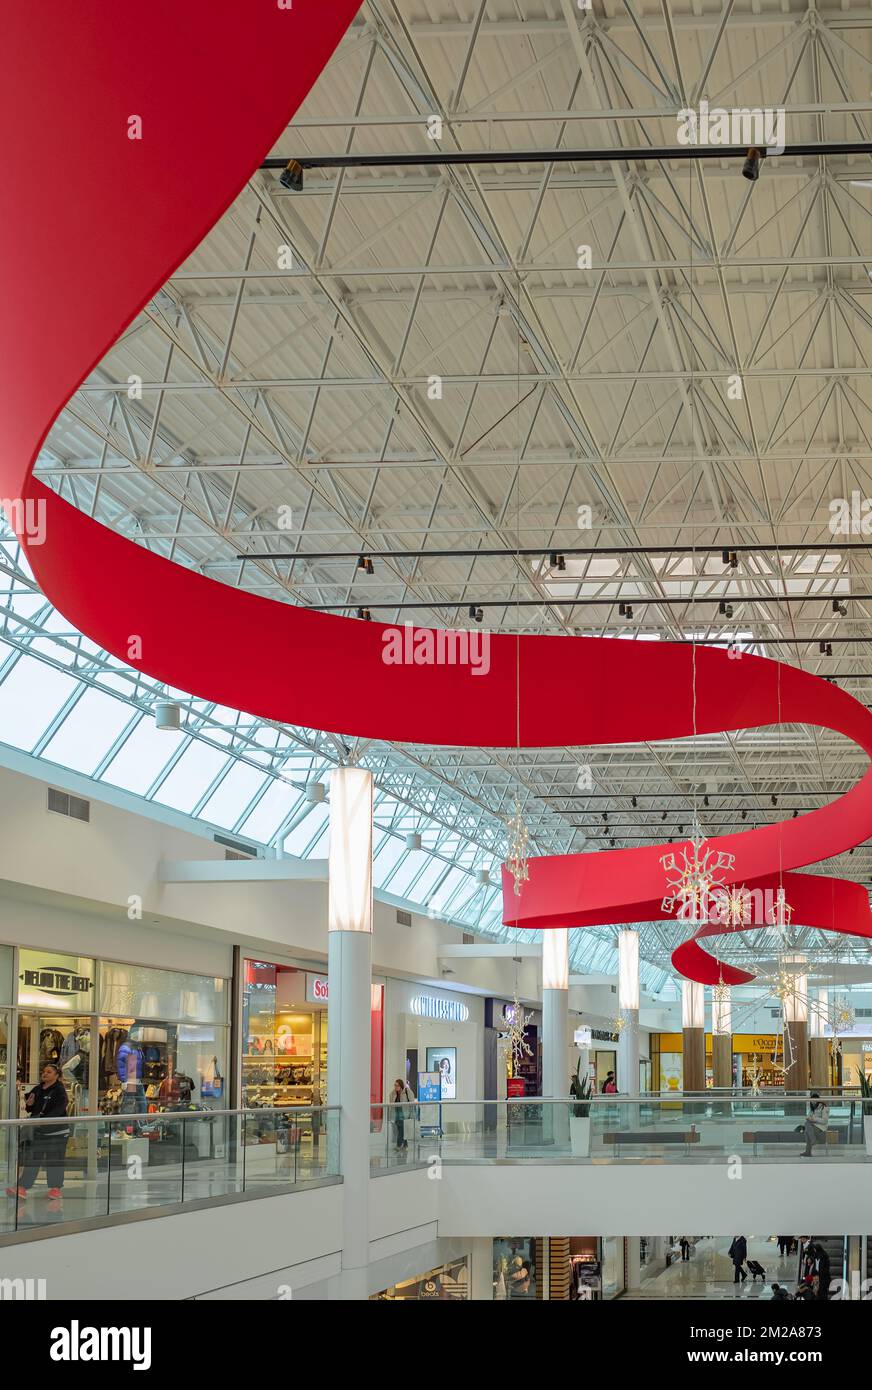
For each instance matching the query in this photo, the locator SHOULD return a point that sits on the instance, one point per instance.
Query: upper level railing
(98, 1166)
(703, 1127)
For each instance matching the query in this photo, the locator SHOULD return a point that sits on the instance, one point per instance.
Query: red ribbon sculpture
(92, 223)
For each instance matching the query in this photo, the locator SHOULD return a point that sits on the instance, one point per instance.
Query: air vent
(65, 805)
(237, 849)
(404, 918)
(468, 939)
(863, 1013)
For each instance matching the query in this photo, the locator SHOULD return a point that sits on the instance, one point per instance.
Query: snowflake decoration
(843, 1015)
(516, 858)
(755, 1075)
(618, 1024)
(721, 992)
(692, 875)
(781, 913)
(512, 1035)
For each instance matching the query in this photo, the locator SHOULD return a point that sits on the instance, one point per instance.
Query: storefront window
(449, 1281)
(4, 1064)
(7, 994)
(147, 993)
(146, 1067)
(515, 1274)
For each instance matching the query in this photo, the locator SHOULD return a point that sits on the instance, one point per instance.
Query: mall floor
(708, 1274)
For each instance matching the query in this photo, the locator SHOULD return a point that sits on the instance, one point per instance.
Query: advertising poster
(444, 1060)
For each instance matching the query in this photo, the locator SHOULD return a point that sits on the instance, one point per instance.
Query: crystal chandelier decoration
(843, 1015)
(721, 992)
(516, 857)
(513, 1034)
(693, 875)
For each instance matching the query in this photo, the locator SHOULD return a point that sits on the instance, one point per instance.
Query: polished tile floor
(708, 1274)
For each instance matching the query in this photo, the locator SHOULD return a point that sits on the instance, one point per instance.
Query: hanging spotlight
(751, 167)
(364, 615)
(622, 610)
(662, 815)
(825, 648)
(632, 801)
(292, 176)
(839, 608)
(606, 817)
(705, 801)
(364, 565)
(774, 799)
(729, 557)
(167, 716)
(475, 614)
(725, 608)
(316, 792)
(557, 561)
(744, 815)
(629, 611)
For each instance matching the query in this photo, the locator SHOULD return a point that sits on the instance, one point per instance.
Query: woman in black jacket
(47, 1144)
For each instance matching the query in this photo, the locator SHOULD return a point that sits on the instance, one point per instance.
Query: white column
(633, 1261)
(628, 1005)
(348, 1010)
(555, 1013)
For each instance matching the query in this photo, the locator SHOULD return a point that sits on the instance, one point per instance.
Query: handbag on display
(212, 1085)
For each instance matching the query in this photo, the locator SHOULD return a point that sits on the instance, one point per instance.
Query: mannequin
(128, 1068)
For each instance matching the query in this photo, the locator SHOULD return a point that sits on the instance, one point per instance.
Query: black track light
(705, 801)
(744, 815)
(622, 610)
(606, 817)
(292, 176)
(629, 612)
(556, 561)
(774, 799)
(633, 801)
(751, 167)
(795, 814)
(662, 815)
(364, 565)
(839, 608)
(364, 615)
(825, 648)
(729, 557)
(476, 614)
(725, 608)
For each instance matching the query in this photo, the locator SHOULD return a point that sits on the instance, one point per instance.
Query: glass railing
(107, 1165)
(704, 1127)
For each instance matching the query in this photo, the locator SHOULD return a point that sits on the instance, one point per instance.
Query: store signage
(445, 1010)
(583, 1037)
(56, 980)
(317, 989)
(867, 1047)
(602, 1036)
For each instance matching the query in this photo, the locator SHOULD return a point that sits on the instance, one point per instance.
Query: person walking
(738, 1253)
(816, 1125)
(685, 1249)
(783, 1246)
(402, 1099)
(45, 1146)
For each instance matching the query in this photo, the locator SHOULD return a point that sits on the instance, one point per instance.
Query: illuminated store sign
(317, 989)
(447, 1010)
(56, 981)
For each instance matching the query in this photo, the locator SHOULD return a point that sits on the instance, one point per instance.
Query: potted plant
(579, 1121)
(866, 1093)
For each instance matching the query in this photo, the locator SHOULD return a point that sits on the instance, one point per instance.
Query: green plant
(865, 1092)
(581, 1089)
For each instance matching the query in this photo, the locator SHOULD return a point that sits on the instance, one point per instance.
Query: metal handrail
(145, 1116)
(644, 1097)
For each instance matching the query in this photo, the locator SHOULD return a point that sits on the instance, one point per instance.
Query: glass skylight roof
(68, 703)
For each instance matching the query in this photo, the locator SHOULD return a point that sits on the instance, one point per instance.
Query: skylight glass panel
(89, 731)
(274, 807)
(310, 827)
(30, 697)
(192, 775)
(142, 757)
(230, 799)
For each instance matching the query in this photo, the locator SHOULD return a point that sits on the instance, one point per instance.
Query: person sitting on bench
(816, 1124)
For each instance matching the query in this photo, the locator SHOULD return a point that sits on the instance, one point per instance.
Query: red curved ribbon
(86, 240)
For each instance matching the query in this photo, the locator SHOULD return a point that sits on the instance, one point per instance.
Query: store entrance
(285, 1057)
(62, 1040)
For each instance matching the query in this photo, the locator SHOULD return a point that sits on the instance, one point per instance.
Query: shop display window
(284, 1060)
(514, 1268)
(146, 1067)
(143, 992)
(449, 1281)
(59, 1038)
(4, 1064)
(55, 983)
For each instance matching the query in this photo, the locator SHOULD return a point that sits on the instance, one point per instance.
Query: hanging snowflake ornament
(516, 856)
(693, 875)
(513, 1034)
(843, 1015)
(755, 1075)
(721, 992)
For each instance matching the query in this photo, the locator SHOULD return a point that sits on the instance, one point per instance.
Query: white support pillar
(555, 1013)
(349, 1040)
(628, 1005)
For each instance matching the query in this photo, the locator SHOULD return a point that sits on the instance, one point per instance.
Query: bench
(651, 1136)
(835, 1135)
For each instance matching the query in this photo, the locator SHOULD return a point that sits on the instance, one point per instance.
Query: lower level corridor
(708, 1272)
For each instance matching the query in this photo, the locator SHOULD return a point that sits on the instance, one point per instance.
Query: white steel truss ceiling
(288, 405)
